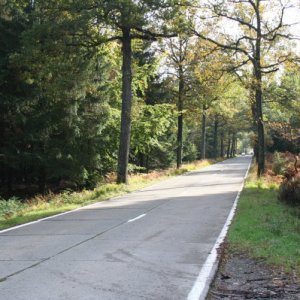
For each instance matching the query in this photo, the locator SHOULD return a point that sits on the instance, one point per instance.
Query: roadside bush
(289, 191)
(176, 172)
(279, 164)
(134, 169)
(10, 207)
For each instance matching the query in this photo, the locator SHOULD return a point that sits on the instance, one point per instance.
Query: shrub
(10, 207)
(289, 191)
(93, 180)
(134, 169)
(279, 164)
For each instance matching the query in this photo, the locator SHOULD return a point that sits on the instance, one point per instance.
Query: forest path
(150, 244)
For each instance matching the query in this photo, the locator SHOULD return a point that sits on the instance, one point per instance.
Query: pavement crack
(61, 252)
(74, 246)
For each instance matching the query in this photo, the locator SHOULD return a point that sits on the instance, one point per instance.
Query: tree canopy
(92, 87)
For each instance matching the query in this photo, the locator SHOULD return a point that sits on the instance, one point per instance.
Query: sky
(293, 16)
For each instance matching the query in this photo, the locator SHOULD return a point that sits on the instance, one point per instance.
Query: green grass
(266, 228)
(13, 213)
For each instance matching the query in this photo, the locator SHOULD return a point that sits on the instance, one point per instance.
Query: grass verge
(266, 228)
(13, 212)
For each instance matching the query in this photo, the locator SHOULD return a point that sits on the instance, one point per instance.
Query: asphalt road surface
(150, 244)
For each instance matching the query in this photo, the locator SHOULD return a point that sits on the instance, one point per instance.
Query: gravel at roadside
(240, 277)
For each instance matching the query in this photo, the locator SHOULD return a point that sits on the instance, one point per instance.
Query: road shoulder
(241, 277)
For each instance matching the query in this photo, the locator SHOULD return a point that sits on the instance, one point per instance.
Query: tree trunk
(254, 116)
(258, 98)
(203, 134)
(255, 151)
(260, 130)
(126, 108)
(216, 126)
(180, 119)
(228, 145)
(232, 145)
(179, 141)
(222, 144)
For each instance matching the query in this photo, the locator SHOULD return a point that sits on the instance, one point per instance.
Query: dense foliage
(63, 82)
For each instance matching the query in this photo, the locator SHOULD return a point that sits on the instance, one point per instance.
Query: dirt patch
(240, 277)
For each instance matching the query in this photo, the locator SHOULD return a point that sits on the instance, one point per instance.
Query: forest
(95, 87)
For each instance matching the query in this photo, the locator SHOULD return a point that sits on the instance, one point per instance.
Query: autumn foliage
(286, 166)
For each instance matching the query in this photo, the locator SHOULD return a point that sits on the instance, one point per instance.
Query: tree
(180, 58)
(254, 43)
(282, 113)
(56, 104)
(95, 22)
(131, 19)
(13, 90)
(209, 86)
(150, 129)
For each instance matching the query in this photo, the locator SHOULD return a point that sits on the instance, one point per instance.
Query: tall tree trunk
(216, 126)
(260, 129)
(254, 116)
(126, 108)
(222, 144)
(203, 134)
(180, 118)
(232, 145)
(255, 151)
(258, 97)
(228, 145)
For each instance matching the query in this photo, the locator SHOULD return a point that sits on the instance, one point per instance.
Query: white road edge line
(138, 217)
(56, 215)
(207, 273)
(39, 220)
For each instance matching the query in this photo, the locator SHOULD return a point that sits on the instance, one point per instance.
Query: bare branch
(233, 47)
(150, 33)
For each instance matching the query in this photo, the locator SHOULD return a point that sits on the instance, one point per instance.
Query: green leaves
(150, 125)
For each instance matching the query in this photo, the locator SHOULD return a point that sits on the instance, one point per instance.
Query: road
(150, 244)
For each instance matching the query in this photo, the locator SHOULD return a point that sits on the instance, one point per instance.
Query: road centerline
(137, 218)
